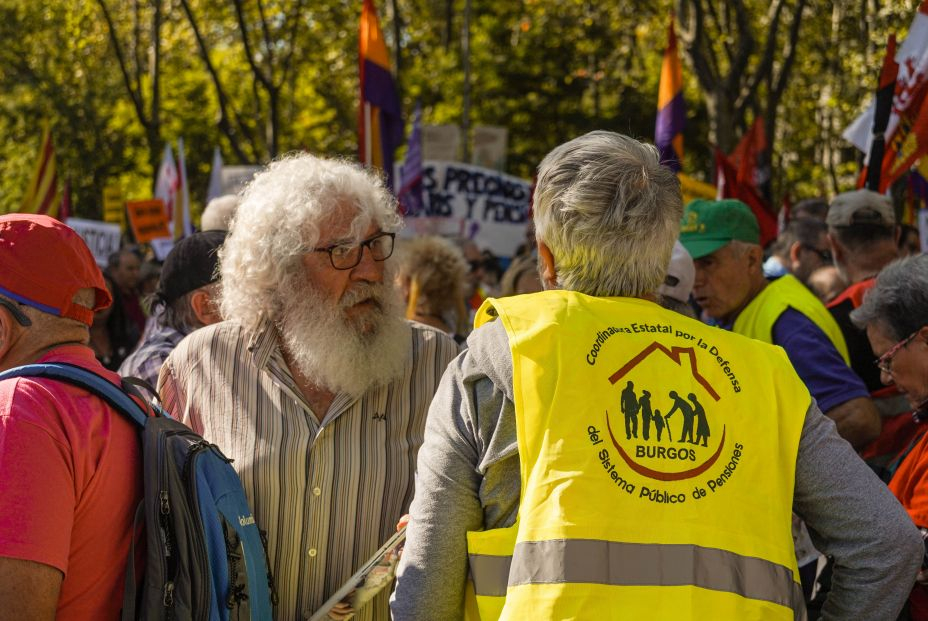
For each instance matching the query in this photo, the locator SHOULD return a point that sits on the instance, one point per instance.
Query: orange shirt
(910, 486)
(70, 481)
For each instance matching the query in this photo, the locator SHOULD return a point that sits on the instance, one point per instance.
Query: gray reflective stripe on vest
(635, 564)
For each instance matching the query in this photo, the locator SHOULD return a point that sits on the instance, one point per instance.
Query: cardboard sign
(103, 238)
(148, 220)
(473, 202)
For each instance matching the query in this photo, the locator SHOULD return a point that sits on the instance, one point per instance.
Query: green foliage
(548, 70)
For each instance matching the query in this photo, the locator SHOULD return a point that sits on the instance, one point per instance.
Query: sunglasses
(824, 255)
(18, 314)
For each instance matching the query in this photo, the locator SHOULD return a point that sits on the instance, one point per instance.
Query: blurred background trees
(117, 79)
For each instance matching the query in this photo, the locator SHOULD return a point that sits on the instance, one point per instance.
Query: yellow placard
(114, 206)
(693, 188)
(148, 219)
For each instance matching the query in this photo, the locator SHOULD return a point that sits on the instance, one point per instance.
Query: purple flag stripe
(380, 89)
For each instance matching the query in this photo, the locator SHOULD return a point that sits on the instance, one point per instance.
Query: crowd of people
(646, 415)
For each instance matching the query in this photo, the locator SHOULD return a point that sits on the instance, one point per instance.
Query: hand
(403, 522)
(341, 611)
(922, 577)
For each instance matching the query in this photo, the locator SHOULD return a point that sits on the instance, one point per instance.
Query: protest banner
(473, 202)
(148, 219)
(103, 238)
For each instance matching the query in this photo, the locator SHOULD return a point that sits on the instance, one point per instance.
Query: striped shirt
(328, 494)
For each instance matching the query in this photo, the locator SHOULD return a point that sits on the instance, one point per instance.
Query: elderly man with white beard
(315, 385)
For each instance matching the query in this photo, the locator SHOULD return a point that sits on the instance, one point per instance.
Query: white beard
(339, 353)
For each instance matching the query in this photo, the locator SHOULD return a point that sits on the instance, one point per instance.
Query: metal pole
(465, 104)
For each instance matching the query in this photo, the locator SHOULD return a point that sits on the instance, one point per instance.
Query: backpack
(205, 556)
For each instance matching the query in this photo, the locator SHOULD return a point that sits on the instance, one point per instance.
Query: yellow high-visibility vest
(758, 317)
(657, 461)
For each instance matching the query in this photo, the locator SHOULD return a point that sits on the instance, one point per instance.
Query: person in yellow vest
(531, 502)
(723, 238)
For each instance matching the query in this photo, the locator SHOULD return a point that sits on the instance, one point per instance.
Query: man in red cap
(70, 466)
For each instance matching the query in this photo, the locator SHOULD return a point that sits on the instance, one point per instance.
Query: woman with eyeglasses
(895, 316)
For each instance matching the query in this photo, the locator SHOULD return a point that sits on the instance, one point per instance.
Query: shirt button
(316, 491)
(312, 552)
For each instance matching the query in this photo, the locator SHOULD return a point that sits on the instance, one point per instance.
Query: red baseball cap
(43, 263)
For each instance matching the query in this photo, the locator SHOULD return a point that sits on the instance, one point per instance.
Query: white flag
(913, 67)
(167, 182)
(215, 177)
(182, 225)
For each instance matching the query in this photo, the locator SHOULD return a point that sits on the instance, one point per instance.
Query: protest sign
(114, 205)
(103, 238)
(148, 219)
(473, 202)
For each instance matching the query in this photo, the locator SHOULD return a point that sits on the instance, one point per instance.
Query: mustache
(364, 292)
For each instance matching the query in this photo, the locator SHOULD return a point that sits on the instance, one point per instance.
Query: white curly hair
(279, 219)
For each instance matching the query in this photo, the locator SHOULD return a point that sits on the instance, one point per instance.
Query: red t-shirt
(910, 486)
(70, 481)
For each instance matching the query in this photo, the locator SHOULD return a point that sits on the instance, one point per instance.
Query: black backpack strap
(89, 381)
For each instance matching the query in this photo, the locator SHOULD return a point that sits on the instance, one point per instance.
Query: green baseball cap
(709, 225)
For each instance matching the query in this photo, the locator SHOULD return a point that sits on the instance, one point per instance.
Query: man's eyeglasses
(347, 256)
(18, 314)
(824, 255)
(885, 362)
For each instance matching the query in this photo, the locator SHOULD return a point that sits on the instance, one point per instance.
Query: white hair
(219, 213)
(279, 219)
(609, 212)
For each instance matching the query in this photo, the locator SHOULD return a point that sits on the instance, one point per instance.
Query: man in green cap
(724, 240)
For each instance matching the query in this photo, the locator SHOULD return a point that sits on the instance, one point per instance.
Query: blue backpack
(205, 556)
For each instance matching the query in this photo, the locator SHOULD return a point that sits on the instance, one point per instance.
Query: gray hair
(180, 315)
(898, 302)
(219, 213)
(280, 217)
(609, 212)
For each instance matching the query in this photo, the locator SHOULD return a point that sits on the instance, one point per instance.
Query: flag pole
(367, 134)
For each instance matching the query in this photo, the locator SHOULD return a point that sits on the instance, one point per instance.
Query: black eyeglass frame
(18, 314)
(367, 243)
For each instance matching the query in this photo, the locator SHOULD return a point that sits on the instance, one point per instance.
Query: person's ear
(794, 251)
(546, 266)
(204, 307)
(922, 335)
(8, 327)
(755, 256)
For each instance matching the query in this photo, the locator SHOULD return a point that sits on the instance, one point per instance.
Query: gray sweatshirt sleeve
(852, 516)
(433, 569)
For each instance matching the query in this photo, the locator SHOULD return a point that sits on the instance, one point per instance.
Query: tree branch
(243, 26)
(766, 63)
(127, 79)
(224, 106)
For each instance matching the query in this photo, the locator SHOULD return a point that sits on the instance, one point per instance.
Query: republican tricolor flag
(379, 120)
(671, 109)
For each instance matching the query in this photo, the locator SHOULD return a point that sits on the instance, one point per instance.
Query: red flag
(884, 105)
(729, 187)
(744, 157)
(910, 140)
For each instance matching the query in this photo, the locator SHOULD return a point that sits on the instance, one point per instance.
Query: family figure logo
(663, 426)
